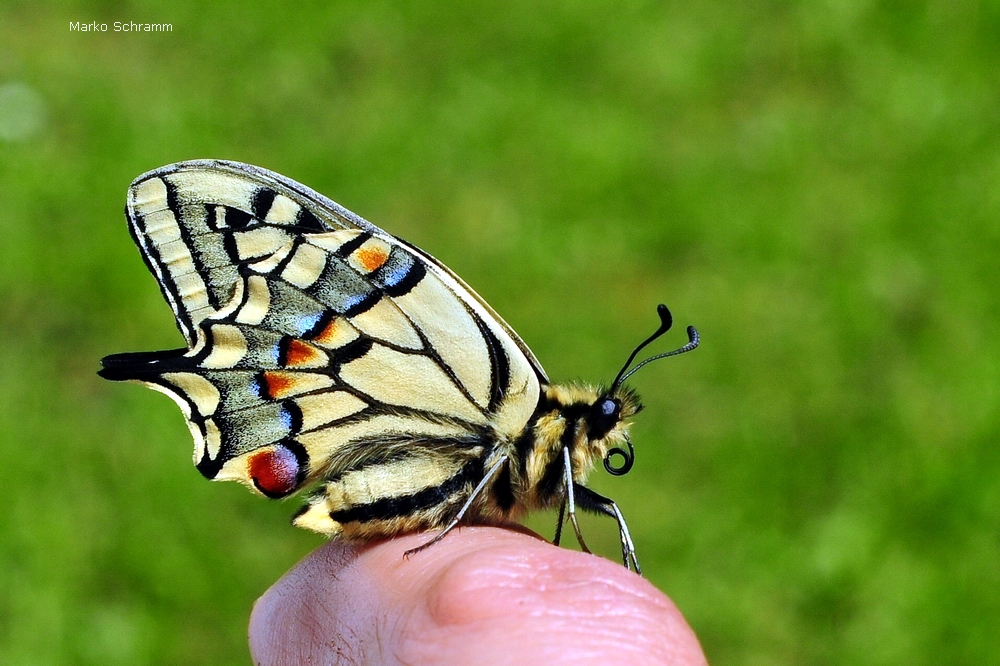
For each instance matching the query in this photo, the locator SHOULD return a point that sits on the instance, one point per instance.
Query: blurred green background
(813, 184)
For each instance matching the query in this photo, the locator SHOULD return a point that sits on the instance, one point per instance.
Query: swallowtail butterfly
(323, 351)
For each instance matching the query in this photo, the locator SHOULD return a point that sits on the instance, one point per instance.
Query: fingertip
(482, 595)
(527, 599)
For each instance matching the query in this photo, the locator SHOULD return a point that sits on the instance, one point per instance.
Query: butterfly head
(607, 426)
(607, 421)
(610, 411)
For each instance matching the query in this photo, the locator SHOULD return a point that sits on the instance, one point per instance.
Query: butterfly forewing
(196, 226)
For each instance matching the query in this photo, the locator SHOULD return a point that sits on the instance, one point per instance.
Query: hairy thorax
(563, 421)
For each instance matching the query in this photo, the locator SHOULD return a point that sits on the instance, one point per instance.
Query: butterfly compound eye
(276, 471)
(604, 416)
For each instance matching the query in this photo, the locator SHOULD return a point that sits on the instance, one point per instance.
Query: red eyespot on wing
(275, 471)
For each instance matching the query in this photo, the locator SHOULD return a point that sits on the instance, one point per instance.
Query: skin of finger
(483, 595)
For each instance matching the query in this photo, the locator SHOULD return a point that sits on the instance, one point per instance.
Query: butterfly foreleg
(595, 503)
(570, 501)
(490, 473)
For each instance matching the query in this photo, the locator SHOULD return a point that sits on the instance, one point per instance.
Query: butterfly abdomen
(404, 493)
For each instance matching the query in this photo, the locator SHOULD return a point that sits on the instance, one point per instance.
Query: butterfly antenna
(666, 321)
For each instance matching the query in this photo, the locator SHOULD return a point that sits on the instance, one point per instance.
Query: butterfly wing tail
(136, 366)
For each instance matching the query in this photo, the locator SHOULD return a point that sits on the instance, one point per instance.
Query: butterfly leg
(465, 507)
(595, 503)
(571, 501)
(559, 526)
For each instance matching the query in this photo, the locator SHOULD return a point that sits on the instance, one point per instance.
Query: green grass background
(813, 184)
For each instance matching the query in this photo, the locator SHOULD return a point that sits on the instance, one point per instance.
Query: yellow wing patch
(321, 409)
(409, 380)
(305, 266)
(228, 347)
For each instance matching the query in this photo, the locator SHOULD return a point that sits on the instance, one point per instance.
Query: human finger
(483, 595)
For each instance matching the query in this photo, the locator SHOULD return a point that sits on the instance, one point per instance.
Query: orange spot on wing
(302, 354)
(328, 334)
(371, 256)
(335, 334)
(278, 384)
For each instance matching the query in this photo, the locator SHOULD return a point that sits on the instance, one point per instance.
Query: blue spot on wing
(399, 274)
(352, 301)
(286, 418)
(307, 323)
(394, 274)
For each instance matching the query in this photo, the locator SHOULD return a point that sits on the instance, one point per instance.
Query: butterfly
(321, 350)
